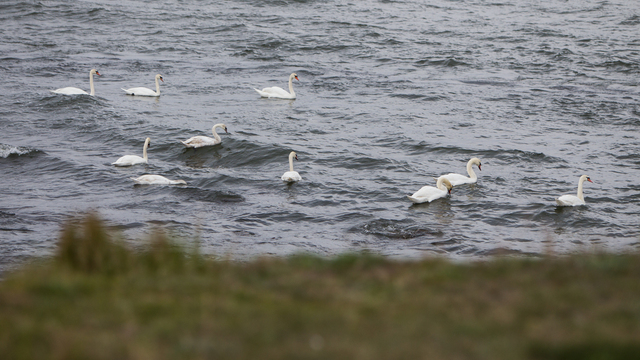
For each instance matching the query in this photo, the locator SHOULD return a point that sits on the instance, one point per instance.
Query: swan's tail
(415, 200)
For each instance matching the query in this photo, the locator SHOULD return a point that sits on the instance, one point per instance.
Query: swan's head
(159, 77)
(180, 182)
(94, 71)
(447, 184)
(294, 75)
(477, 162)
(222, 126)
(147, 142)
(293, 155)
(585, 177)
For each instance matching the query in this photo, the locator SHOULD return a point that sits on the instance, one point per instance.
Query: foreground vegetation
(97, 299)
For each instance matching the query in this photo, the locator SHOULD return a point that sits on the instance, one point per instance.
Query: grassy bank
(99, 300)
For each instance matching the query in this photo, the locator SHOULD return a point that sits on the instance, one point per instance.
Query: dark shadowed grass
(97, 299)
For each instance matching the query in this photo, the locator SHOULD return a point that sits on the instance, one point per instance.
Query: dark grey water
(391, 93)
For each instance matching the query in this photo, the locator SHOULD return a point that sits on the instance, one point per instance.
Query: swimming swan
(200, 141)
(291, 176)
(129, 160)
(278, 92)
(457, 179)
(571, 200)
(157, 180)
(430, 193)
(76, 91)
(143, 91)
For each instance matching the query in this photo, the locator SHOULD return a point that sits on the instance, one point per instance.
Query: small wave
(487, 82)
(396, 229)
(408, 96)
(631, 21)
(619, 64)
(442, 62)
(8, 150)
(209, 195)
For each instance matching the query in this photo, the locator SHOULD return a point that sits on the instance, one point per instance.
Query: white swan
(572, 200)
(458, 179)
(156, 180)
(129, 160)
(430, 193)
(76, 91)
(291, 176)
(143, 91)
(278, 92)
(200, 141)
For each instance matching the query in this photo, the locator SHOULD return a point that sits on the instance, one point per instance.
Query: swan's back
(459, 179)
(200, 141)
(291, 176)
(569, 200)
(70, 90)
(141, 91)
(427, 194)
(129, 160)
(275, 92)
(156, 180)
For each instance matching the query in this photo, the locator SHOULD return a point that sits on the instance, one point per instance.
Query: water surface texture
(391, 94)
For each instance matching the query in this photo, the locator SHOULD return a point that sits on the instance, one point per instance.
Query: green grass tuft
(99, 299)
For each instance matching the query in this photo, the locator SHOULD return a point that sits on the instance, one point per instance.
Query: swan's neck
(470, 171)
(293, 93)
(580, 196)
(157, 86)
(93, 91)
(215, 134)
(290, 162)
(439, 184)
(144, 151)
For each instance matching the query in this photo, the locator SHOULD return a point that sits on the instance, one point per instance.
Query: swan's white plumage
(458, 179)
(569, 200)
(129, 160)
(574, 200)
(291, 175)
(200, 141)
(430, 193)
(278, 92)
(143, 91)
(70, 90)
(157, 180)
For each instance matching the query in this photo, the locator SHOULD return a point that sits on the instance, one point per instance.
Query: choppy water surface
(391, 94)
